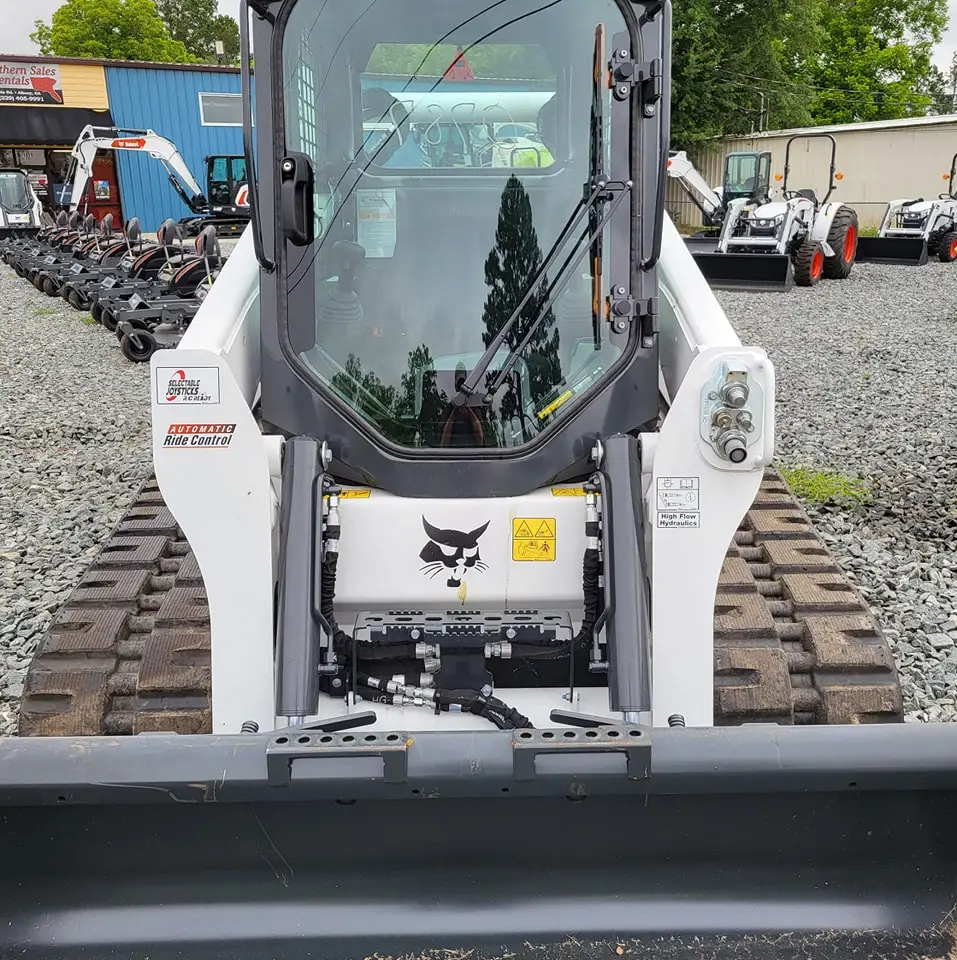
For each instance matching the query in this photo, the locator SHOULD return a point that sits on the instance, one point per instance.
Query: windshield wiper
(598, 192)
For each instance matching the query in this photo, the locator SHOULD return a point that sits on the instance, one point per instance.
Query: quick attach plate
(562, 752)
(465, 628)
(345, 755)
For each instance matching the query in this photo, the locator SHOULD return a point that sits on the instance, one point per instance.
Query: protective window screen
(221, 109)
(447, 106)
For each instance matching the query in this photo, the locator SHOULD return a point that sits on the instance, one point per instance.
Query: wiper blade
(615, 193)
(485, 361)
(599, 191)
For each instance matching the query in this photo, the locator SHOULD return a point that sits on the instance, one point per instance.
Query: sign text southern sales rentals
(30, 82)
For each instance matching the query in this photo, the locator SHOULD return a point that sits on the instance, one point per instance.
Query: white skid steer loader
(799, 239)
(21, 213)
(913, 230)
(463, 540)
(465, 445)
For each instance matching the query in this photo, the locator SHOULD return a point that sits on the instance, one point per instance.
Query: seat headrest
(207, 243)
(168, 233)
(132, 229)
(73, 220)
(106, 225)
(62, 219)
(89, 223)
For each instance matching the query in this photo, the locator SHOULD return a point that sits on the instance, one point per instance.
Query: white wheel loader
(800, 239)
(913, 230)
(463, 540)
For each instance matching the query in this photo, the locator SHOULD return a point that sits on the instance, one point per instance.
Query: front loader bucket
(909, 251)
(745, 271)
(739, 844)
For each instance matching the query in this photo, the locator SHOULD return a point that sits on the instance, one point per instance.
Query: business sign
(30, 82)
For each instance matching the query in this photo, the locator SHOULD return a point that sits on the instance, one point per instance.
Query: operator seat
(808, 195)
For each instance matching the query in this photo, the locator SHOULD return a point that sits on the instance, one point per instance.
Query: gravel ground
(866, 372)
(74, 447)
(865, 368)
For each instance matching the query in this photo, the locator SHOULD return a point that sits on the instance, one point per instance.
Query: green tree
(727, 56)
(109, 30)
(941, 87)
(769, 64)
(197, 24)
(876, 61)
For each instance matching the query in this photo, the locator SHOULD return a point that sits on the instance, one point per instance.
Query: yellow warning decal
(568, 491)
(353, 495)
(533, 539)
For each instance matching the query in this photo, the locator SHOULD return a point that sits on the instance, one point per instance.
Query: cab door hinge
(626, 310)
(627, 74)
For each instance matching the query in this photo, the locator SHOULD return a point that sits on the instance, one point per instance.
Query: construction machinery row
(465, 531)
(752, 241)
(224, 204)
(146, 293)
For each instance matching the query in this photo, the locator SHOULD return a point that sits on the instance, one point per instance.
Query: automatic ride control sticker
(195, 435)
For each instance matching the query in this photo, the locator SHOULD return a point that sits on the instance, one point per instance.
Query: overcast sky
(18, 24)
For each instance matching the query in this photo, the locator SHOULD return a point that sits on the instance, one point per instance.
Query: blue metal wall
(167, 102)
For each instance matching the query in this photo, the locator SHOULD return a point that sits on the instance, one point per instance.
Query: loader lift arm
(708, 201)
(94, 139)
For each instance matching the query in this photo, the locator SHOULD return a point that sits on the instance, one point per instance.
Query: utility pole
(953, 77)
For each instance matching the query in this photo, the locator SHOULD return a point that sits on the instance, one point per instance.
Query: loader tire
(809, 264)
(842, 239)
(129, 652)
(947, 248)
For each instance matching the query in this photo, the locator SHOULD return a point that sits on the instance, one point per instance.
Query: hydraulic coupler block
(732, 412)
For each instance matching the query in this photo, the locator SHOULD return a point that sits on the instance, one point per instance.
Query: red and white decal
(242, 197)
(187, 385)
(130, 143)
(216, 435)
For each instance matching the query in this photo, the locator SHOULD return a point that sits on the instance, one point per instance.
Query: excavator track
(129, 652)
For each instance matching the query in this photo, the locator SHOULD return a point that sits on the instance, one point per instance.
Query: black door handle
(296, 199)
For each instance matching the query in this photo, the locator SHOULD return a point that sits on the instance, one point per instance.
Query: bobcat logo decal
(451, 550)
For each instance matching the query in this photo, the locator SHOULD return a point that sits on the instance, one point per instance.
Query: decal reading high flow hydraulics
(453, 550)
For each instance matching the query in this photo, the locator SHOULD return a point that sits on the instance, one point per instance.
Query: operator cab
(447, 263)
(16, 196)
(224, 177)
(747, 176)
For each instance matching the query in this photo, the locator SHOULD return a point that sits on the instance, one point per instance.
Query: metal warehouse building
(45, 102)
(880, 161)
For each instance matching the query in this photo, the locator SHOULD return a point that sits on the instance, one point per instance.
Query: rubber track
(130, 650)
